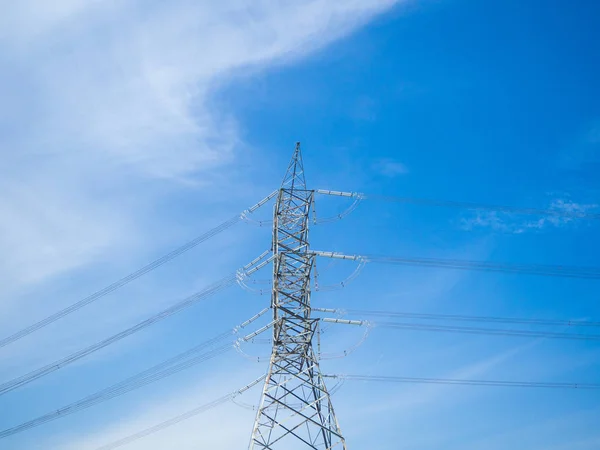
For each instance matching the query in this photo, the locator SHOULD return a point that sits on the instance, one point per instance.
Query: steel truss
(295, 409)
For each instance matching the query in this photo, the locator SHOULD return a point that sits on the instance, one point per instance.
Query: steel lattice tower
(295, 409)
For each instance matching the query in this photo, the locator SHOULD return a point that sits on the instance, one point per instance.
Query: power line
(45, 370)
(570, 214)
(486, 331)
(116, 390)
(531, 269)
(467, 330)
(177, 419)
(132, 276)
(166, 424)
(182, 361)
(459, 317)
(248, 269)
(118, 284)
(491, 383)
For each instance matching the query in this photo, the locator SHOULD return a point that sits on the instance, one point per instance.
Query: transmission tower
(295, 409)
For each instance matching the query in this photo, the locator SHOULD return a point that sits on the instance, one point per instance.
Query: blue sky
(127, 128)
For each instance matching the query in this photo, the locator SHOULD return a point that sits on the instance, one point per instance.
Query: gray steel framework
(295, 409)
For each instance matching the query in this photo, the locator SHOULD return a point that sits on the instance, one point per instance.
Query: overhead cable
(176, 364)
(555, 212)
(342, 284)
(487, 331)
(133, 276)
(530, 269)
(466, 318)
(113, 391)
(251, 338)
(177, 419)
(59, 364)
(341, 215)
(178, 307)
(348, 351)
(491, 383)
(466, 330)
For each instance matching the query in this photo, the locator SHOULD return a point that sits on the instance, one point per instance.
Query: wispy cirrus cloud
(108, 113)
(107, 107)
(515, 224)
(390, 168)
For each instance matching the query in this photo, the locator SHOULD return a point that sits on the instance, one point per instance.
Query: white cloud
(100, 98)
(572, 207)
(511, 223)
(106, 111)
(390, 168)
(34, 211)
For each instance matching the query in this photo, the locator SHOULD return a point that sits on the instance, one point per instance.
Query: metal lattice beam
(295, 411)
